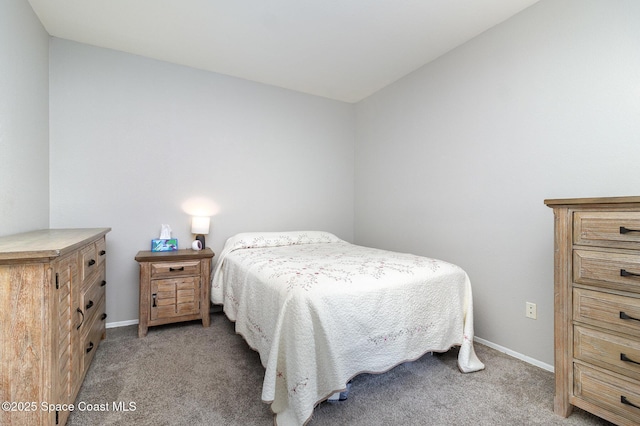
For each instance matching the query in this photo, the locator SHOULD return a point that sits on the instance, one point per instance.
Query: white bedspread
(320, 310)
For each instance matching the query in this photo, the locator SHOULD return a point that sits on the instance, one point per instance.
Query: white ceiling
(339, 49)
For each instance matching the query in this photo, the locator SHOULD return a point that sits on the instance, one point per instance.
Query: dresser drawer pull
(81, 322)
(154, 305)
(625, 358)
(624, 230)
(624, 316)
(177, 269)
(625, 401)
(103, 252)
(103, 317)
(89, 305)
(90, 348)
(103, 283)
(91, 262)
(625, 273)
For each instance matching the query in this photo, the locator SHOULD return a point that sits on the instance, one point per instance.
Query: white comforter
(320, 310)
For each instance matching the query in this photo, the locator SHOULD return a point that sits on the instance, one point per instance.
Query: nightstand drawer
(607, 269)
(607, 391)
(615, 353)
(175, 269)
(611, 311)
(612, 229)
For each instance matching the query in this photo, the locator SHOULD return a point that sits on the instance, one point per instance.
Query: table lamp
(200, 227)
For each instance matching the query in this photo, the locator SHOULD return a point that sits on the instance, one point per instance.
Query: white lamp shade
(200, 225)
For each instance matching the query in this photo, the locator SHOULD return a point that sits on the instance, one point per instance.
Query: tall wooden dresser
(597, 307)
(52, 317)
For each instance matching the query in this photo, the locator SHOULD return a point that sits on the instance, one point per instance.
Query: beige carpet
(184, 374)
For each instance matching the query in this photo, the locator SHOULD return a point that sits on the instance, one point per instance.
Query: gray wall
(133, 139)
(454, 161)
(24, 119)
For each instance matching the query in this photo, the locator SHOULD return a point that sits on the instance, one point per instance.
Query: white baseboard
(514, 354)
(125, 323)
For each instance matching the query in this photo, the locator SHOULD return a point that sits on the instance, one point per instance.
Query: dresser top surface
(597, 200)
(46, 243)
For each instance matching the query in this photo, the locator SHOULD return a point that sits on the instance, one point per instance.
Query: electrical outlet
(531, 311)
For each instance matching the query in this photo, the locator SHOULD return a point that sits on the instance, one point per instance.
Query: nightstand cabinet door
(175, 297)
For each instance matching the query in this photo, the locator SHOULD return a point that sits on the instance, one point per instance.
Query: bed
(320, 310)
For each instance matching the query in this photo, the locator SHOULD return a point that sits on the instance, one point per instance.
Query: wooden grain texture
(563, 341)
(168, 269)
(597, 307)
(66, 369)
(605, 349)
(46, 243)
(40, 330)
(205, 288)
(23, 345)
(174, 286)
(602, 229)
(602, 309)
(602, 268)
(601, 202)
(602, 392)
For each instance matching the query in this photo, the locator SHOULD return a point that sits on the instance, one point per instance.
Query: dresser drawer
(92, 295)
(175, 269)
(605, 310)
(88, 261)
(607, 229)
(608, 392)
(101, 250)
(96, 329)
(610, 351)
(608, 269)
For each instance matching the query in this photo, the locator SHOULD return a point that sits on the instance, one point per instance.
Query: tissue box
(164, 245)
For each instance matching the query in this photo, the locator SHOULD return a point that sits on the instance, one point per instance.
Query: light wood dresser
(597, 307)
(52, 316)
(174, 286)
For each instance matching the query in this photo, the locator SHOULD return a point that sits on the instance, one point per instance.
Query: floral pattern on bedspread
(339, 263)
(320, 310)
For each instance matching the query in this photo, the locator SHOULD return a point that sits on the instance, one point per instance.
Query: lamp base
(200, 238)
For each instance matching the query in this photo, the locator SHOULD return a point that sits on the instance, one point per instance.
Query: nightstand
(174, 287)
